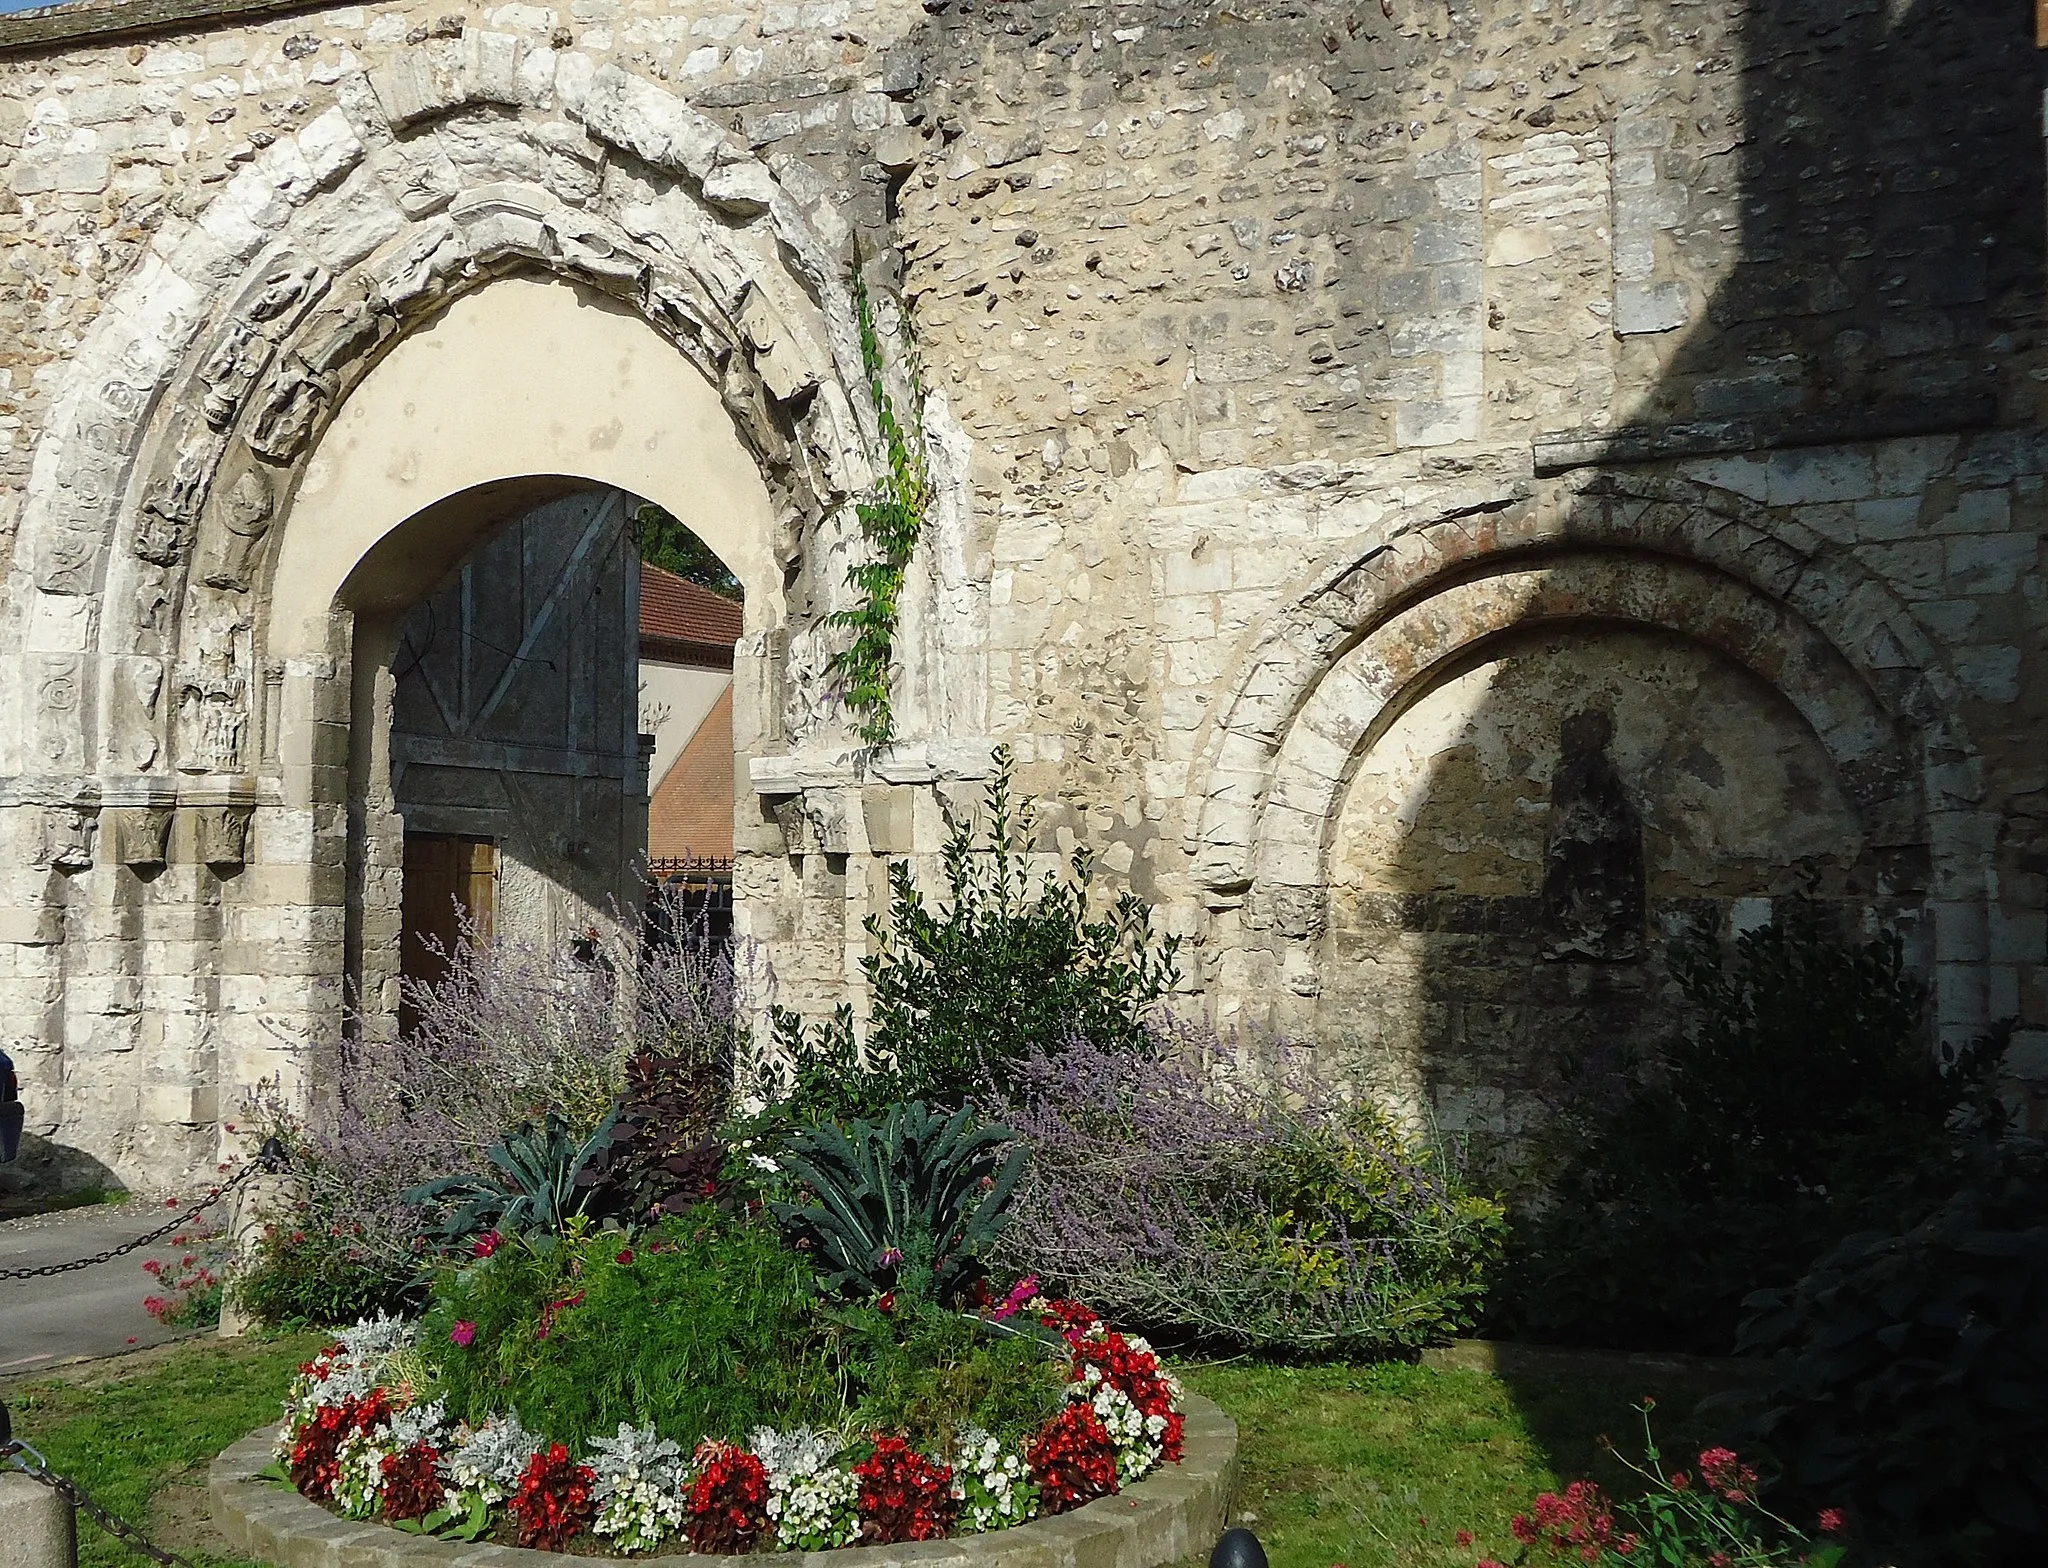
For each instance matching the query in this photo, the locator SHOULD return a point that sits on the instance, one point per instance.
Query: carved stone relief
(67, 838)
(138, 836)
(243, 517)
(137, 689)
(171, 507)
(59, 723)
(221, 836)
(213, 708)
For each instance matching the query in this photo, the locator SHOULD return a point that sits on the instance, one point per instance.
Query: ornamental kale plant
(910, 1203)
(1182, 1189)
(963, 991)
(1805, 1103)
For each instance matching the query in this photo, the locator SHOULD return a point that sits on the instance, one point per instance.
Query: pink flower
(1833, 1520)
(1463, 1537)
(486, 1244)
(463, 1335)
(1026, 1289)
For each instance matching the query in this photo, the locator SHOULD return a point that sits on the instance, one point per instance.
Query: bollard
(38, 1529)
(1238, 1548)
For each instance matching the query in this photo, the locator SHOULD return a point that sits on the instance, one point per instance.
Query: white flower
(810, 1497)
(489, 1461)
(359, 1472)
(992, 1484)
(639, 1488)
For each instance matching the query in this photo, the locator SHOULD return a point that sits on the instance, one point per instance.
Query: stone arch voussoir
(1756, 555)
(139, 567)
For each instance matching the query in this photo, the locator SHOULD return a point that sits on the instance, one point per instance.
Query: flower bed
(360, 1437)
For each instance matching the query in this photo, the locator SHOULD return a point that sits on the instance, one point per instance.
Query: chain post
(271, 1158)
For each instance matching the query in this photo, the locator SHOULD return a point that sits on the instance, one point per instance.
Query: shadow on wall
(1515, 847)
(1887, 184)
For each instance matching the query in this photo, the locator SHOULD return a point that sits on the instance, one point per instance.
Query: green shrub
(303, 1273)
(1912, 1375)
(911, 1202)
(703, 1325)
(1190, 1194)
(707, 1325)
(1666, 1192)
(931, 1374)
(961, 993)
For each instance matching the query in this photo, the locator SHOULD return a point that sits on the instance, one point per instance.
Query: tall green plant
(890, 522)
(964, 988)
(1789, 1115)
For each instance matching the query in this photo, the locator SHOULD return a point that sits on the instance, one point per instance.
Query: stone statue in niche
(213, 710)
(244, 518)
(1593, 894)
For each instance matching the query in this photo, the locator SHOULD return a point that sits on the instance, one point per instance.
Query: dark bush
(1805, 1103)
(962, 992)
(323, 1276)
(1912, 1376)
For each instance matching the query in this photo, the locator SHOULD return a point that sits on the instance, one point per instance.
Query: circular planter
(1177, 1511)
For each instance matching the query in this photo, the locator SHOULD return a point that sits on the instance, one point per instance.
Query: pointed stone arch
(178, 700)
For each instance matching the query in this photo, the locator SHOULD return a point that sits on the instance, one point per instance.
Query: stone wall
(1333, 407)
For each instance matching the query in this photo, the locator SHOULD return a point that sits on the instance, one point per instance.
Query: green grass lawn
(139, 1431)
(1367, 1466)
(1380, 1466)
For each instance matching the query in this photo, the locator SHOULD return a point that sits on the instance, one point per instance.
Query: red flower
(1833, 1520)
(726, 1510)
(887, 1302)
(486, 1244)
(1727, 1474)
(1680, 1481)
(625, 1257)
(313, 1463)
(1463, 1538)
(412, 1482)
(903, 1495)
(553, 1503)
(1073, 1459)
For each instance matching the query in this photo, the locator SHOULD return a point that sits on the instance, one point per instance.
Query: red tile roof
(691, 812)
(675, 610)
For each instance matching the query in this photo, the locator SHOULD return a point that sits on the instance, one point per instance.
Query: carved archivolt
(177, 446)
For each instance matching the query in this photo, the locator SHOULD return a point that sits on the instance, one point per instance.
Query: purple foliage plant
(1213, 1190)
(513, 1030)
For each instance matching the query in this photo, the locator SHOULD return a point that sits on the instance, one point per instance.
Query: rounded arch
(529, 381)
(176, 634)
(1371, 629)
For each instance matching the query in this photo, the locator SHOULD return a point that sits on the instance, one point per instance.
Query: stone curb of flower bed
(1177, 1511)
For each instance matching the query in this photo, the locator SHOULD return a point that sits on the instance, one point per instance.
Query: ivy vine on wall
(890, 522)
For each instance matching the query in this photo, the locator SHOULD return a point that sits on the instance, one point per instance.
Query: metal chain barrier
(19, 1456)
(271, 1157)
